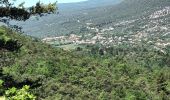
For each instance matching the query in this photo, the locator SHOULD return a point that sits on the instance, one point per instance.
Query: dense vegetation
(30, 69)
(121, 72)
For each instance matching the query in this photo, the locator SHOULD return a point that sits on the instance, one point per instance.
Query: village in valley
(151, 31)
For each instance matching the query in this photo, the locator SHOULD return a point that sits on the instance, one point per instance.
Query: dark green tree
(20, 13)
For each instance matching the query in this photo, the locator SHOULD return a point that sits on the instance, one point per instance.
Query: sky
(29, 3)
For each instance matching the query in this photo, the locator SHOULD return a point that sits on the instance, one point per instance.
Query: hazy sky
(33, 2)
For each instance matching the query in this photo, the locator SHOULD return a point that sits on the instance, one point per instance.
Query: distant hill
(104, 15)
(68, 12)
(86, 4)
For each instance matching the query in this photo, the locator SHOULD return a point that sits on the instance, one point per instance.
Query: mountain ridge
(86, 5)
(63, 22)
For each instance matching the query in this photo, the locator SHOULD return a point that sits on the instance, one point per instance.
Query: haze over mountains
(86, 4)
(67, 12)
(128, 16)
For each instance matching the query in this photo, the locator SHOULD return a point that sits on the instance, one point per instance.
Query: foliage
(20, 13)
(17, 94)
(7, 43)
(123, 72)
(41, 8)
(20, 94)
(1, 87)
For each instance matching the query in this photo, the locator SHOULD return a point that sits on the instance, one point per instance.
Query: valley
(83, 26)
(153, 29)
(92, 50)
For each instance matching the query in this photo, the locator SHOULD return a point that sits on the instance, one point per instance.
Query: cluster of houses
(76, 39)
(165, 11)
(149, 30)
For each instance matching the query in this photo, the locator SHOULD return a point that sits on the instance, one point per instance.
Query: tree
(8, 10)
(20, 13)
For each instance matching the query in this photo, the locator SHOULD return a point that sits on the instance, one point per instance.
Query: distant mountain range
(73, 18)
(68, 14)
(86, 4)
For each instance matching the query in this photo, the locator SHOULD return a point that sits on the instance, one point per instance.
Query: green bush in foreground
(19, 94)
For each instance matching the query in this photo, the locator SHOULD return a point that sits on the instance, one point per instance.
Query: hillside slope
(124, 72)
(122, 52)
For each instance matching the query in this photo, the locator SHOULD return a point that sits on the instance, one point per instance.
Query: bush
(19, 94)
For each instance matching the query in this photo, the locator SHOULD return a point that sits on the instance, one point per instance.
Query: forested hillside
(111, 52)
(122, 72)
